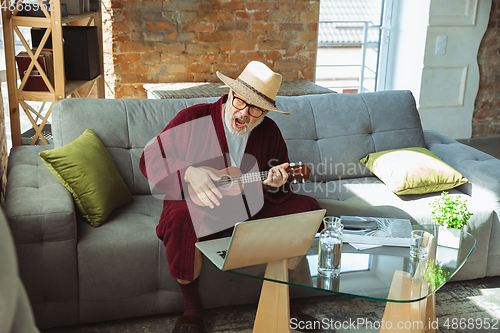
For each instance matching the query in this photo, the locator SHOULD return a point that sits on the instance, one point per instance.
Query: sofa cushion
(412, 171)
(87, 170)
(125, 246)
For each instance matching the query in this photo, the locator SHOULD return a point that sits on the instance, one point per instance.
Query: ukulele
(232, 180)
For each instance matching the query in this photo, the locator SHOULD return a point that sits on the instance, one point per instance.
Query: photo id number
(21, 6)
(471, 323)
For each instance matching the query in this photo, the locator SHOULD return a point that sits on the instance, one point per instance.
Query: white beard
(229, 120)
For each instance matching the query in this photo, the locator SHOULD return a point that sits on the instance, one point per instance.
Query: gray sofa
(75, 273)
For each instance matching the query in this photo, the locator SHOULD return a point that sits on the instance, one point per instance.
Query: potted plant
(452, 215)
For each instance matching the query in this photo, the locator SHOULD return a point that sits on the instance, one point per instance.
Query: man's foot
(299, 321)
(188, 324)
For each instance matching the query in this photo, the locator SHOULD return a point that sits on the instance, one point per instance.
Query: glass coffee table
(387, 274)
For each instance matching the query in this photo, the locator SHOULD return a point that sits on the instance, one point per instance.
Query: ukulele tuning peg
(292, 164)
(303, 181)
(295, 181)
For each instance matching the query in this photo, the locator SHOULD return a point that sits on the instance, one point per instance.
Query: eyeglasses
(253, 110)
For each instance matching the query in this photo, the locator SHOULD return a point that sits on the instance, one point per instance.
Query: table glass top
(382, 273)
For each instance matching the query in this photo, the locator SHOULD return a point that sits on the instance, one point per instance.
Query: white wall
(444, 85)
(450, 81)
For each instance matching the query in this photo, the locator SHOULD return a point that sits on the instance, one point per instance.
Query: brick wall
(162, 41)
(3, 153)
(486, 118)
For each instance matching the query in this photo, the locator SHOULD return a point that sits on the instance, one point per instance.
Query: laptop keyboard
(222, 253)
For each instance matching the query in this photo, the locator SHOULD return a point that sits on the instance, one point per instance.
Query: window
(349, 35)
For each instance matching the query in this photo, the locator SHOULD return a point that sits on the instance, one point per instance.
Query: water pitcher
(330, 246)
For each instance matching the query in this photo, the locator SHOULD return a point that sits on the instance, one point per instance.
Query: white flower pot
(449, 237)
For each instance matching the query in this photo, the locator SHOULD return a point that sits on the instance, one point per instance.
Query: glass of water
(419, 246)
(330, 246)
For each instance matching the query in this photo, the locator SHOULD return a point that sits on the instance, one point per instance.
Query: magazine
(376, 231)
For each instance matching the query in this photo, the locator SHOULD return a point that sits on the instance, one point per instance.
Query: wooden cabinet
(19, 98)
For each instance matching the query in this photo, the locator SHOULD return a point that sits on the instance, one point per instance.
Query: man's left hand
(277, 175)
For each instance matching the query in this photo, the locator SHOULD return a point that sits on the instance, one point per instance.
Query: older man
(234, 131)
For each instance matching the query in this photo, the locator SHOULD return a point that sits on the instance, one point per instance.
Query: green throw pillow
(88, 171)
(412, 171)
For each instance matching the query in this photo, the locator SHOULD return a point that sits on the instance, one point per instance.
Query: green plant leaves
(451, 212)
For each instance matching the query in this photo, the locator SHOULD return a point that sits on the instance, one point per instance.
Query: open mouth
(239, 123)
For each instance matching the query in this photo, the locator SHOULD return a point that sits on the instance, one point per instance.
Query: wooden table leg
(414, 317)
(430, 314)
(273, 312)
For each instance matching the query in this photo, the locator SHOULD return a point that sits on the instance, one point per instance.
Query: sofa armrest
(482, 170)
(16, 315)
(41, 216)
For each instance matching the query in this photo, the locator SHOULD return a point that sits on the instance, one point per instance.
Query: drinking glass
(419, 244)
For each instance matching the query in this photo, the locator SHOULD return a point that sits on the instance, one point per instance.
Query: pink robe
(182, 144)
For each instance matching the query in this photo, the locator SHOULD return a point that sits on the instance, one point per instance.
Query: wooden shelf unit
(61, 89)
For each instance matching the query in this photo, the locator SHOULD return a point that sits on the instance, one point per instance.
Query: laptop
(265, 240)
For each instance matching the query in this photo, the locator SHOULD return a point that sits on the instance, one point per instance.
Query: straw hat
(257, 84)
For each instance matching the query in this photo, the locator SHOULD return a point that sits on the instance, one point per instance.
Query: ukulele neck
(253, 177)
(294, 171)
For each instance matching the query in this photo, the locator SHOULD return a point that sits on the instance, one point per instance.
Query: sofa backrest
(330, 132)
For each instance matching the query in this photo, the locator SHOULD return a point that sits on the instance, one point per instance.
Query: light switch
(441, 44)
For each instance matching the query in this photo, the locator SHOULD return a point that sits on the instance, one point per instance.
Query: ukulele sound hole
(225, 182)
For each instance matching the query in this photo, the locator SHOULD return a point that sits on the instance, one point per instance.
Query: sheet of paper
(361, 247)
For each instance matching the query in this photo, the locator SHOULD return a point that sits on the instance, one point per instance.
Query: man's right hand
(201, 180)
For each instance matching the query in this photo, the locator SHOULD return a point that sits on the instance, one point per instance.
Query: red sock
(192, 300)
